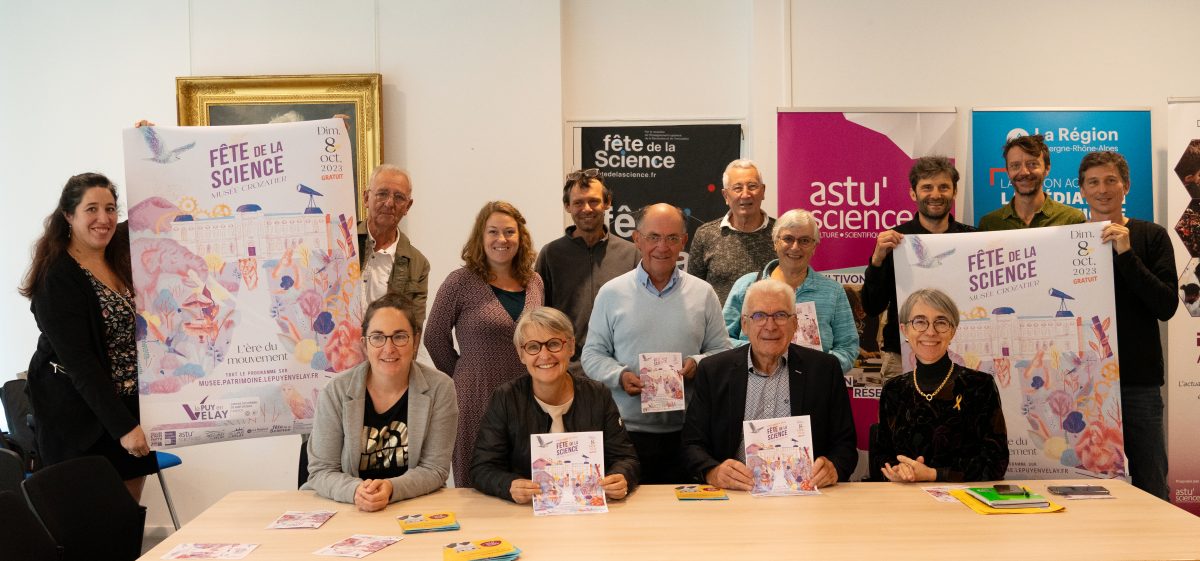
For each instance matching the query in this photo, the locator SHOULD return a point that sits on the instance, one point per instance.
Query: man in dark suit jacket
(766, 379)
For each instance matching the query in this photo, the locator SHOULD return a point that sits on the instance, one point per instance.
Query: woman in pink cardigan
(481, 303)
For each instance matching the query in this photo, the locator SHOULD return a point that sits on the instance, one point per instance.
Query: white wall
(1078, 53)
(476, 92)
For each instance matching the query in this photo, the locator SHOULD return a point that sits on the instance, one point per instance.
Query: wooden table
(858, 521)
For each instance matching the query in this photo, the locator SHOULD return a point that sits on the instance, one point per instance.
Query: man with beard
(1027, 159)
(388, 261)
(575, 266)
(934, 183)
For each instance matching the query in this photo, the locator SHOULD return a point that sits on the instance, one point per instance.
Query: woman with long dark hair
(83, 377)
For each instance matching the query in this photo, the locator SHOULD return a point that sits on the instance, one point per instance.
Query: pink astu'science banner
(850, 169)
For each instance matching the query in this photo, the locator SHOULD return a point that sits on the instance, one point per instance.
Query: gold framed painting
(250, 100)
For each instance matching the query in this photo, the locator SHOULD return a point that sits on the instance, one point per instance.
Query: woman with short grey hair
(941, 421)
(548, 400)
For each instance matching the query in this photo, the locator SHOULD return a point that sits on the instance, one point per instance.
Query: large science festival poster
(1070, 134)
(1183, 333)
(1037, 313)
(244, 262)
(677, 164)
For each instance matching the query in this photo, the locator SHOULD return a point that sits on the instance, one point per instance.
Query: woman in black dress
(83, 380)
(941, 421)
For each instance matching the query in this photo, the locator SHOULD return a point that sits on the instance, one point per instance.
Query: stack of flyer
(662, 383)
(494, 549)
(302, 519)
(569, 468)
(357, 546)
(700, 493)
(210, 551)
(989, 496)
(779, 455)
(432, 522)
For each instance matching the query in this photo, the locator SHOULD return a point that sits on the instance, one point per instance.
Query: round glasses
(941, 325)
(805, 242)
(760, 318)
(535, 347)
(399, 339)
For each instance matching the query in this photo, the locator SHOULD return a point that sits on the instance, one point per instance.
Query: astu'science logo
(204, 411)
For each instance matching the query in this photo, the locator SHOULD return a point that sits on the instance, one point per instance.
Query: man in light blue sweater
(655, 308)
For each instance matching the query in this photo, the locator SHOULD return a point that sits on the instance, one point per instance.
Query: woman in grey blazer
(384, 430)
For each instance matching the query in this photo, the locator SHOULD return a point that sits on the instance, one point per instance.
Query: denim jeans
(1145, 446)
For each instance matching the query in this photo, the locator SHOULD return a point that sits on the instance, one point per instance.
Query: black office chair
(18, 413)
(87, 509)
(12, 471)
(21, 535)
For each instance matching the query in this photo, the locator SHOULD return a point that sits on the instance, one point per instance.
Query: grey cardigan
(336, 443)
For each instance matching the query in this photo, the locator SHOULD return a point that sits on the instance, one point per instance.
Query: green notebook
(990, 497)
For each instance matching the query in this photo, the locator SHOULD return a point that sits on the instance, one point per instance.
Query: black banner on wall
(680, 164)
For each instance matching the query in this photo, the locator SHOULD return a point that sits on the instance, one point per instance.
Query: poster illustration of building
(245, 267)
(569, 467)
(1037, 312)
(779, 454)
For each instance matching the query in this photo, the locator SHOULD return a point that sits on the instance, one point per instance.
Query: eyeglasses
(399, 339)
(941, 325)
(805, 241)
(653, 239)
(588, 173)
(399, 198)
(535, 347)
(1031, 165)
(739, 188)
(760, 318)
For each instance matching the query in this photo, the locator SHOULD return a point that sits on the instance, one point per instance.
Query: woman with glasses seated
(548, 400)
(941, 421)
(832, 330)
(385, 428)
(478, 305)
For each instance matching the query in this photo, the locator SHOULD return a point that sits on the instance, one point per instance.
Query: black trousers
(661, 456)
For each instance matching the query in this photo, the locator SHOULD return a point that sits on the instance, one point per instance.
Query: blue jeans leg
(1145, 446)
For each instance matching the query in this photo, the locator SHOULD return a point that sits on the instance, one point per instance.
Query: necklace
(929, 396)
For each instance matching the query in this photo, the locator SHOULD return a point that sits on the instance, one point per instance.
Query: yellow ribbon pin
(958, 402)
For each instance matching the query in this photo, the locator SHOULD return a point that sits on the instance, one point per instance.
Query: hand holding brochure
(569, 467)
(662, 383)
(808, 334)
(779, 455)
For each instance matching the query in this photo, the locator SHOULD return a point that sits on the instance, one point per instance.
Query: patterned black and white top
(117, 310)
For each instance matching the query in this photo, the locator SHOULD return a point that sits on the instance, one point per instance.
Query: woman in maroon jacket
(480, 304)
